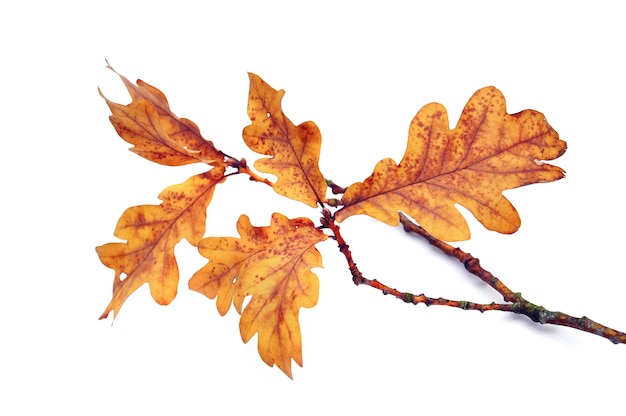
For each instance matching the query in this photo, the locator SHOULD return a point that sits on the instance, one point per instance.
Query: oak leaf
(295, 150)
(152, 232)
(489, 151)
(272, 265)
(156, 133)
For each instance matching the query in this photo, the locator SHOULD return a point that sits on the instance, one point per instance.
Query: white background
(360, 70)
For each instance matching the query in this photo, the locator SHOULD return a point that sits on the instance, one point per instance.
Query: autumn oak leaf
(294, 150)
(151, 233)
(272, 265)
(488, 152)
(156, 133)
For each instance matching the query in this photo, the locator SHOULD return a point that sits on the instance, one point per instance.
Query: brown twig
(358, 279)
(515, 302)
(471, 263)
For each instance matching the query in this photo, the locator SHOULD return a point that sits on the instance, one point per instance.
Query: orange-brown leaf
(488, 152)
(151, 233)
(295, 150)
(156, 133)
(273, 266)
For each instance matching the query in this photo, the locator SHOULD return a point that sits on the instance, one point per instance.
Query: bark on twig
(514, 301)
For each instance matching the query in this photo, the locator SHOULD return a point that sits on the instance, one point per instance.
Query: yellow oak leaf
(151, 233)
(488, 152)
(273, 266)
(295, 150)
(156, 133)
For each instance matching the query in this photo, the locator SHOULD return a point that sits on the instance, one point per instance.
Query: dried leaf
(273, 266)
(156, 133)
(295, 150)
(488, 152)
(152, 232)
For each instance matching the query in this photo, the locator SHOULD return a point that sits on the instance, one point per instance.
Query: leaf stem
(242, 167)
